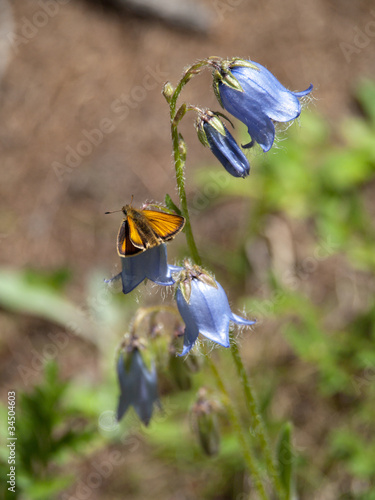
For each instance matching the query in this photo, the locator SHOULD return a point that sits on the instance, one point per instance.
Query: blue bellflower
(205, 309)
(252, 94)
(151, 264)
(138, 385)
(214, 134)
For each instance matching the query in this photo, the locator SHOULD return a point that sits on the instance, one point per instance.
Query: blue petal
(242, 321)
(263, 99)
(126, 397)
(147, 395)
(261, 128)
(191, 328)
(211, 310)
(207, 312)
(151, 264)
(278, 103)
(138, 387)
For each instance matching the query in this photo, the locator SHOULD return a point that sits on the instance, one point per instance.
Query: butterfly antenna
(113, 212)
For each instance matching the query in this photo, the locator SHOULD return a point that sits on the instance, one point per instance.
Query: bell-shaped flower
(151, 264)
(252, 94)
(204, 307)
(138, 385)
(214, 134)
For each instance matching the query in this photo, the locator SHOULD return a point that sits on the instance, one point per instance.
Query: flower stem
(179, 152)
(258, 426)
(179, 165)
(241, 435)
(179, 157)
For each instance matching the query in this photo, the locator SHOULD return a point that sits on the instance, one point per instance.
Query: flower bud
(138, 384)
(213, 134)
(205, 423)
(168, 91)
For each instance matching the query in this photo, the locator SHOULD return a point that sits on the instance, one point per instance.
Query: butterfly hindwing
(164, 225)
(125, 246)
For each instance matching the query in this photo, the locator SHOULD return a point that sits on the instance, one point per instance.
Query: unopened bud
(168, 91)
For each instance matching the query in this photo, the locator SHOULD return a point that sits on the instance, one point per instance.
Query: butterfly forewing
(164, 225)
(135, 234)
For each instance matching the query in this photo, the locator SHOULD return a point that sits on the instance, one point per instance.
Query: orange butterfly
(143, 229)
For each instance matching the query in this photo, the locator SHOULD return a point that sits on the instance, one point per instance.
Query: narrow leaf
(286, 457)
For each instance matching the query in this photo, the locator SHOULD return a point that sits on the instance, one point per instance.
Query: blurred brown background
(83, 124)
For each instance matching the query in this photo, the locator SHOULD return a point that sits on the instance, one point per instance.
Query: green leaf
(286, 457)
(45, 489)
(171, 205)
(21, 294)
(366, 98)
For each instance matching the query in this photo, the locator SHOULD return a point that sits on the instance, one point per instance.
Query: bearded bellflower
(204, 307)
(214, 134)
(151, 264)
(138, 384)
(248, 91)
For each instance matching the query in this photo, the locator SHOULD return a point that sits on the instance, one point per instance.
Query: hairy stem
(257, 424)
(241, 435)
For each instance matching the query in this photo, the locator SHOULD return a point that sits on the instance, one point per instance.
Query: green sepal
(179, 115)
(217, 124)
(230, 81)
(285, 458)
(223, 116)
(207, 279)
(171, 205)
(215, 83)
(241, 63)
(201, 133)
(185, 287)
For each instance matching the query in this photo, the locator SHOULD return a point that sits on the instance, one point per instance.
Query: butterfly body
(143, 229)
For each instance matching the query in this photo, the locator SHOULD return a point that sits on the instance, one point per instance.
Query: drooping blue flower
(252, 94)
(214, 134)
(138, 385)
(204, 307)
(151, 264)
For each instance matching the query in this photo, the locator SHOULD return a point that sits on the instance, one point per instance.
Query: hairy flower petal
(263, 100)
(207, 312)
